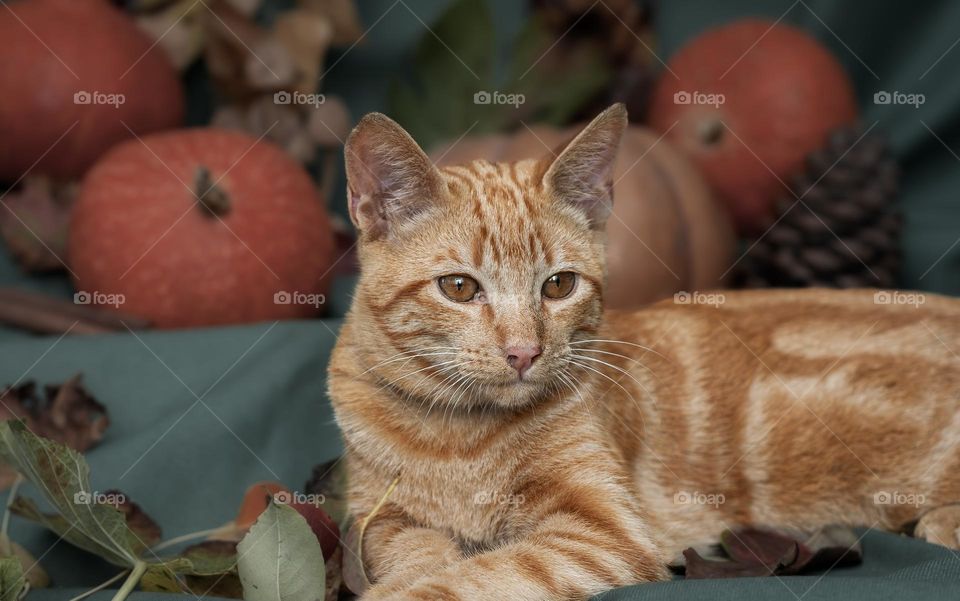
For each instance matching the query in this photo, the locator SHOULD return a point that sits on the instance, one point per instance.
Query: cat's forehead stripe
(504, 204)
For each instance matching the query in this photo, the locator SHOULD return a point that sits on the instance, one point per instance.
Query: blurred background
(173, 222)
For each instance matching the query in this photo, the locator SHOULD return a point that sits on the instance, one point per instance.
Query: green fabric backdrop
(264, 414)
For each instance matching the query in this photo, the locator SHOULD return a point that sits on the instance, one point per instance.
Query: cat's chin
(517, 394)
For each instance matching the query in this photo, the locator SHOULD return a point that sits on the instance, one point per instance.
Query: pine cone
(845, 231)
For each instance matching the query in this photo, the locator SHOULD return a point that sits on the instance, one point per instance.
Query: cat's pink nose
(521, 357)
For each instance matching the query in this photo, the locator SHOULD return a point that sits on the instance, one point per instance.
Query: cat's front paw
(941, 526)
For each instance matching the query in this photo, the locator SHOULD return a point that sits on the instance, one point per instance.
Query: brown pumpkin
(667, 232)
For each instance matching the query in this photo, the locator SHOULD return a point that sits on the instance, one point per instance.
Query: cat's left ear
(390, 180)
(582, 174)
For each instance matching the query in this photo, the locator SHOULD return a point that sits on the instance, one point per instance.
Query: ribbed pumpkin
(667, 232)
(255, 247)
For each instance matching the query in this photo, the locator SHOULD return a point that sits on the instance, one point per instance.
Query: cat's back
(813, 315)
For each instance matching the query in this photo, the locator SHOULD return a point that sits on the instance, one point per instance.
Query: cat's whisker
(467, 382)
(619, 369)
(413, 373)
(454, 386)
(456, 375)
(627, 392)
(450, 368)
(449, 350)
(583, 402)
(631, 359)
(634, 344)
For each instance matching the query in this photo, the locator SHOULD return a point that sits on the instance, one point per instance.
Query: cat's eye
(460, 288)
(559, 285)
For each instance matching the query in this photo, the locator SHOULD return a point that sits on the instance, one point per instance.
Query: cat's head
(475, 279)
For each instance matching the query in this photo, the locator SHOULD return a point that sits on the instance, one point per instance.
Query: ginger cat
(545, 449)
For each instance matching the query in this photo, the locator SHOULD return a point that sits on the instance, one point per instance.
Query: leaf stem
(100, 586)
(186, 537)
(132, 580)
(5, 548)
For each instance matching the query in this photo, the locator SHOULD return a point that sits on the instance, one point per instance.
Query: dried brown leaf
(34, 223)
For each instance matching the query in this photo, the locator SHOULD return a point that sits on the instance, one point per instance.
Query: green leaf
(280, 558)
(453, 61)
(556, 82)
(12, 580)
(119, 533)
(35, 574)
(64, 478)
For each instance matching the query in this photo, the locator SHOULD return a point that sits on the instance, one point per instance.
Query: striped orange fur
(631, 435)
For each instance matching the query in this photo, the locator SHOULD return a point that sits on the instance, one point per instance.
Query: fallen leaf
(330, 480)
(66, 414)
(147, 530)
(63, 477)
(35, 574)
(753, 545)
(697, 567)
(12, 582)
(280, 558)
(766, 552)
(334, 575)
(306, 36)
(35, 221)
(215, 569)
(178, 29)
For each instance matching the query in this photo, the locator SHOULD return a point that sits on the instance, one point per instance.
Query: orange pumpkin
(747, 102)
(667, 233)
(78, 76)
(201, 227)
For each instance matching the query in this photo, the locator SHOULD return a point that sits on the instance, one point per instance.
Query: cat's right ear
(390, 179)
